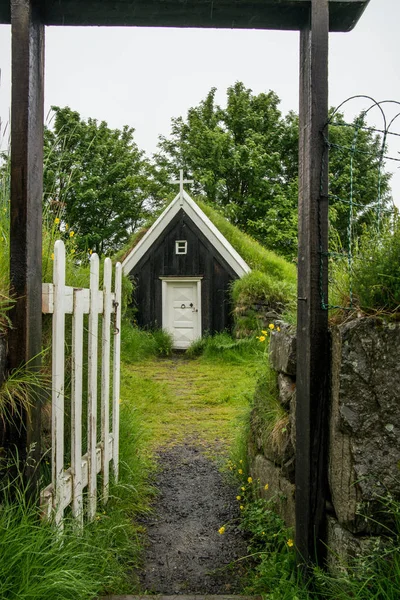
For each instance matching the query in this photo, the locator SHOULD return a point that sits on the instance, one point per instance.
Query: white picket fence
(68, 484)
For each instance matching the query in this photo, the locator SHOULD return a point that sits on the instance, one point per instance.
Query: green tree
(244, 158)
(234, 156)
(96, 179)
(359, 186)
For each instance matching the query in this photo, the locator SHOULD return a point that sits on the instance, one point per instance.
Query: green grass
(37, 562)
(176, 399)
(370, 282)
(257, 257)
(223, 348)
(374, 575)
(376, 269)
(137, 344)
(272, 548)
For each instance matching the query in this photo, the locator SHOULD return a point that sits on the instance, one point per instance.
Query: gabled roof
(183, 201)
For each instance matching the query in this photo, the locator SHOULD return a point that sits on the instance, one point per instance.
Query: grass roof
(257, 257)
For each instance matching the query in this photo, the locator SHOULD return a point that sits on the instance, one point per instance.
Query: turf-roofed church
(182, 270)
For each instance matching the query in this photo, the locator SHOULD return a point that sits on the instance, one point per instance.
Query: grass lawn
(177, 399)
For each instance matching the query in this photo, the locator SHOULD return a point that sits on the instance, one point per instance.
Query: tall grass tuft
(223, 347)
(373, 575)
(271, 548)
(38, 562)
(138, 344)
(5, 300)
(376, 270)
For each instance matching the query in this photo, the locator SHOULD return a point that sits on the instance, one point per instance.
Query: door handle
(183, 306)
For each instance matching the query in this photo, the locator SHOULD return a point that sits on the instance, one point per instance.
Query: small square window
(181, 247)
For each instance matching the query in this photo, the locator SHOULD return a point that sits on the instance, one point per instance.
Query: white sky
(142, 77)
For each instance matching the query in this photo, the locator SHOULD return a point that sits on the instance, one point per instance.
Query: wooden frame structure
(314, 19)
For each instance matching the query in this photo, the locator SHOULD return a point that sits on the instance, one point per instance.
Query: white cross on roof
(181, 181)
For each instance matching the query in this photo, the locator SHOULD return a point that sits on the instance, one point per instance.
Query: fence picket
(58, 299)
(92, 385)
(76, 403)
(105, 376)
(58, 360)
(116, 368)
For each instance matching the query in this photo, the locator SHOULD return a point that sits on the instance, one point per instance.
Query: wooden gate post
(25, 338)
(312, 327)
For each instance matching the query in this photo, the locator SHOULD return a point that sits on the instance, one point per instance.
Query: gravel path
(185, 553)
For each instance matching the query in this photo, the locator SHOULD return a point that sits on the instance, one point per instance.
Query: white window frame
(178, 248)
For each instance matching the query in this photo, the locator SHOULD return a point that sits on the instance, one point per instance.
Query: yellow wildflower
(66, 226)
(56, 220)
(73, 251)
(263, 533)
(249, 480)
(261, 338)
(241, 507)
(271, 326)
(52, 256)
(71, 233)
(266, 486)
(221, 530)
(243, 489)
(290, 543)
(264, 332)
(238, 497)
(278, 328)
(240, 461)
(240, 471)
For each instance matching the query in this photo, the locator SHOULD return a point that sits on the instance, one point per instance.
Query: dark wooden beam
(230, 14)
(312, 318)
(25, 338)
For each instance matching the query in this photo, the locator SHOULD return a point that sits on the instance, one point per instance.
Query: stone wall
(364, 450)
(272, 448)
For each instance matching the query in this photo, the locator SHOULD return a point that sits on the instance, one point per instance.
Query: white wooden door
(182, 311)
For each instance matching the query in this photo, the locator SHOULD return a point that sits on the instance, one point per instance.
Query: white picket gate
(59, 300)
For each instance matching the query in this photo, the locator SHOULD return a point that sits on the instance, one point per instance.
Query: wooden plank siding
(201, 260)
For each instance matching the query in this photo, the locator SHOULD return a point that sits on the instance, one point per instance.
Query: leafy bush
(376, 271)
(137, 344)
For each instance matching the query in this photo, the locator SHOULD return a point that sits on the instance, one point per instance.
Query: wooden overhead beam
(227, 14)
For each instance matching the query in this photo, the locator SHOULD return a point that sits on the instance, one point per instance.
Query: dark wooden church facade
(182, 270)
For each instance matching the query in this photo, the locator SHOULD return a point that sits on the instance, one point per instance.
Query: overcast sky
(142, 77)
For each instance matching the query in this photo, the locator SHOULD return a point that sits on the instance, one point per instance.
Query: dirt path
(190, 413)
(186, 554)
